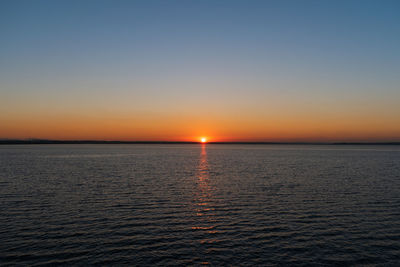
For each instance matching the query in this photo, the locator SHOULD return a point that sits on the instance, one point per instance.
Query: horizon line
(51, 141)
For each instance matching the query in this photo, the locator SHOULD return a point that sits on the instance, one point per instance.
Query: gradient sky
(178, 70)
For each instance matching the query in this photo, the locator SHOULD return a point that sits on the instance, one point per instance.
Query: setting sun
(203, 140)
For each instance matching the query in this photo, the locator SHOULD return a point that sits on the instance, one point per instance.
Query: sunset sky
(180, 70)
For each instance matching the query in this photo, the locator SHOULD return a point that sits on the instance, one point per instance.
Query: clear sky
(178, 70)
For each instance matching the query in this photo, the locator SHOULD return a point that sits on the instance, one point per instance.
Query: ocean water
(231, 205)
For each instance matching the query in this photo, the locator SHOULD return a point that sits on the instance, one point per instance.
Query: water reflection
(205, 222)
(203, 181)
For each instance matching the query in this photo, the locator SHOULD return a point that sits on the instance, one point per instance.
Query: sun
(203, 140)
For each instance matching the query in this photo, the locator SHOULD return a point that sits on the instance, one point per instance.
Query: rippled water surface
(199, 204)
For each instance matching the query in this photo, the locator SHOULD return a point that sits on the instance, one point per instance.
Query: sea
(199, 204)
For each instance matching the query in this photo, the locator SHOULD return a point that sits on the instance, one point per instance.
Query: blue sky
(292, 59)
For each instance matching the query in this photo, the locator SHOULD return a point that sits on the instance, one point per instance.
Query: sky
(180, 70)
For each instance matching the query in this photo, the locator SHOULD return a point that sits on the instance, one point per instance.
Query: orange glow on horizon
(203, 140)
(189, 128)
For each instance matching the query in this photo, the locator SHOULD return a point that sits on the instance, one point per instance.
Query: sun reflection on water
(205, 217)
(203, 181)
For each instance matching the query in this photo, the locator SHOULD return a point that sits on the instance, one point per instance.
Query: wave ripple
(199, 204)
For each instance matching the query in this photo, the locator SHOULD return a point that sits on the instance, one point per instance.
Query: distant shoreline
(41, 142)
